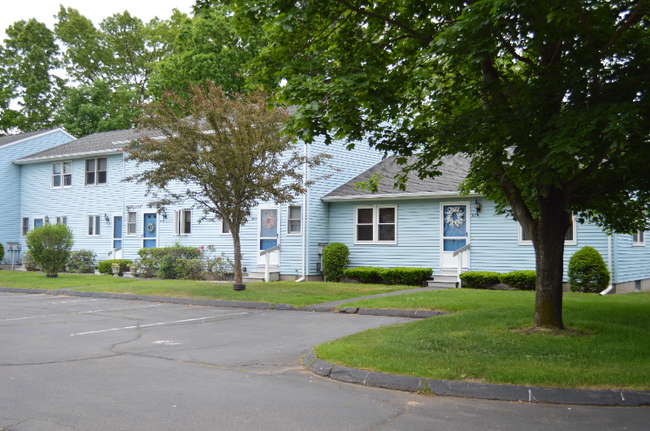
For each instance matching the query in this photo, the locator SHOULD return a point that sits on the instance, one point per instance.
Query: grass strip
(490, 338)
(278, 292)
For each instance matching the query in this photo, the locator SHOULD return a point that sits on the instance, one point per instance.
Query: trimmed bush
(49, 246)
(105, 266)
(408, 276)
(28, 262)
(190, 269)
(2, 251)
(82, 262)
(335, 259)
(479, 279)
(587, 271)
(520, 280)
(161, 261)
(365, 274)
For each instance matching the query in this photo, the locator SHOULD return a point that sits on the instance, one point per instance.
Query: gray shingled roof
(95, 143)
(5, 140)
(454, 170)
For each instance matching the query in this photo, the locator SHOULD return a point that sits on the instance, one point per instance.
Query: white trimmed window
(183, 222)
(62, 220)
(131, 223)
(638, 239)
(225, 228)
(38, 222)
(375, 224)
(25, 226)
(61, 175)
(569, 237)
(96, 171)
(93, 225)
(294, 220)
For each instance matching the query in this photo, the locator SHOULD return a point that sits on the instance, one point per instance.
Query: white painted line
(79, 300)
(156, 324)
(81, 312)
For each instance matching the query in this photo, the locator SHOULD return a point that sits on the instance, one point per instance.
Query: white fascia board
(29, 138)
(386, 196)
(124, 143)
(68, 156)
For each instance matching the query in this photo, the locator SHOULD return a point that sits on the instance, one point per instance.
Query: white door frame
(466, 257)
(144, 228)
(274, 257)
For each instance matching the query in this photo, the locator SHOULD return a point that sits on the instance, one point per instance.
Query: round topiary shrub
(335, 259)
(587, 271)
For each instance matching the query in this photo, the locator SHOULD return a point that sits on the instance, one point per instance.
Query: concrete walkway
(331, 306)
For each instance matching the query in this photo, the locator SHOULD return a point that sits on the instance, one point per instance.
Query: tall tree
(550, 98)
(28, 60)
(228, 155)
(208, 47)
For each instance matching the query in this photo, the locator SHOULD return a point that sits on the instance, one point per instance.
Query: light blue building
(79, 182)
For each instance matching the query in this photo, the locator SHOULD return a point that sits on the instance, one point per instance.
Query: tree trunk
(234, 230)
(548, 240)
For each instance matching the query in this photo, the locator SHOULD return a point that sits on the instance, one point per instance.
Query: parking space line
(81, 312)
(157, 324)
(79, 300)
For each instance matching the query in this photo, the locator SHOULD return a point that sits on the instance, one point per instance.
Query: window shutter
(176, 222)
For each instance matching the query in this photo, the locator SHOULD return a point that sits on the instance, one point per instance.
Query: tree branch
(625, 26)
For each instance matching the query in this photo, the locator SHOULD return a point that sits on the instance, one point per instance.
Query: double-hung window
(225, 227)
(131, 223)
(38, 222)
(569, 236)
(62, 220)
(375, 224)
(294, 220)
(93, 225)
(61, 175)
(638, 238)
(25, 228)
(96, 171)
(182, 222)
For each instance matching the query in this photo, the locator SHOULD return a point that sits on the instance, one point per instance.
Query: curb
(486, 391)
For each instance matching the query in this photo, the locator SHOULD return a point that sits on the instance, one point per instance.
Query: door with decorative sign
(150, 236)
(454, 233)
(268, 235)
(117, 236)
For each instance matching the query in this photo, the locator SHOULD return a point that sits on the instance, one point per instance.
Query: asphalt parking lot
(71, 363)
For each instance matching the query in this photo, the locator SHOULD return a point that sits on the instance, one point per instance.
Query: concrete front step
(446, 278)
(255, 275)
(441, 285)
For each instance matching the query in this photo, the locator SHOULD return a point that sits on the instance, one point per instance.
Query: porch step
(259, 276)
(441, 284)
(443, 278)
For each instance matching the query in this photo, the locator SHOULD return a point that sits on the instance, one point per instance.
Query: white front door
(454, 233)
(268, 235)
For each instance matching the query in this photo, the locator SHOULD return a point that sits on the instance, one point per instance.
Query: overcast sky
(95, 10)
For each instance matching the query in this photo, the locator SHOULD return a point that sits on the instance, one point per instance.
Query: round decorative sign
(270, 221)
(151, 227)
(460, 216)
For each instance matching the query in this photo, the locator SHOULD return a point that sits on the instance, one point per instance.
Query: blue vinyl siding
(10, 179)
(633, 261)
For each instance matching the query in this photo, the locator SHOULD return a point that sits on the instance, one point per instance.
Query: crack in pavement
(11, 427)
(406, 410)
(63, 361)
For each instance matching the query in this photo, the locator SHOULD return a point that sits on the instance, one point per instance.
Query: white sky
(95, 10)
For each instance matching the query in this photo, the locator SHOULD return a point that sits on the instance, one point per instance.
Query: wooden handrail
(460, 250)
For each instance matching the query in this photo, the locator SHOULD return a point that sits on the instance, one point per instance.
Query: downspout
(304, 216)
(124, 220)
(609, 266)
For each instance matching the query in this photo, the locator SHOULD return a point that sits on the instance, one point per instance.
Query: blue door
(454, 233)
(150, 231)
(117, 231)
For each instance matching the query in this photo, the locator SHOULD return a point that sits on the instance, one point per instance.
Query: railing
(115, 250)
(460, 253)
(267, 253)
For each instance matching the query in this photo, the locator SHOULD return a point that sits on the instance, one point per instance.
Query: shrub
(479, 279)
(82, 261)
(408, 276)
(335, 259)
(520, 280)
(190, 269)
(105, 266)
(2, 251)
(49, 246)
(28, 262)
(587, 271)
(161, 261)
(221, 267)
(365, 274)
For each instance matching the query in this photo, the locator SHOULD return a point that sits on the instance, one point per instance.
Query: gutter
(420, 195)
(610, 288)
(105, 152)
(304, 217)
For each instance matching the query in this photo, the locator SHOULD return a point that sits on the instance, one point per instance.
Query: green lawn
(279, 292)
(489, 338)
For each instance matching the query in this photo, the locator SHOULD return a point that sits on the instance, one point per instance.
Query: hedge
(480, 279)
(520, 280)
(407, 276)
(104, 267)
(81, 261)
(335, 259)
(161, 261)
